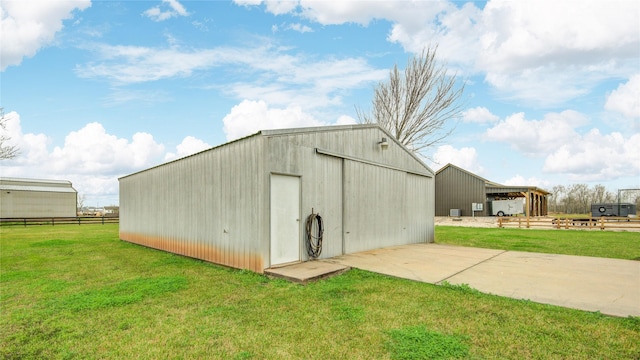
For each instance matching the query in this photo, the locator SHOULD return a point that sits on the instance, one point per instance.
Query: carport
(535, 198)
(462, 193)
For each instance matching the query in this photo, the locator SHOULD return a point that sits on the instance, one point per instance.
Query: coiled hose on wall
(314, 238)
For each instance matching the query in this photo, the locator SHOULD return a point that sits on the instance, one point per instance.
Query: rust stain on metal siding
(198, 251)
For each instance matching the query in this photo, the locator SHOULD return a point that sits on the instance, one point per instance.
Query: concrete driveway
(610, 286)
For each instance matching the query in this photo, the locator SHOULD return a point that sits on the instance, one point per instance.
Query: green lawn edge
(607, 244)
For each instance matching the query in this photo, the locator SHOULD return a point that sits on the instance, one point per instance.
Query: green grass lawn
(609, 244)
(78, 292)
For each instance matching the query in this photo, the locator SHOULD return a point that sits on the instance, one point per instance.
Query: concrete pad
(611, 286)
(307, 271)
(430, 263)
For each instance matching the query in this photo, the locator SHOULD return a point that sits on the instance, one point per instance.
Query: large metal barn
(35, 198)
(244, 204)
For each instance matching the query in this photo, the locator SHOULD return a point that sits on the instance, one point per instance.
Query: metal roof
(494, 187)
(37, 188)
(513, 189)
(20, 184)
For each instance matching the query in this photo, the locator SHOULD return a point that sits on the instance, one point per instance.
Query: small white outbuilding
(244, 204)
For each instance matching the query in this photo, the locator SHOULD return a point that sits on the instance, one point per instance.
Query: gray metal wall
(215, 205)
(33, 198)
(368, 197)
(385, 207)
(457, 189)
(210, 206)
(35, 204)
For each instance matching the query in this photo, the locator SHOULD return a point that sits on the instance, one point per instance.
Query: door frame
(298, 242)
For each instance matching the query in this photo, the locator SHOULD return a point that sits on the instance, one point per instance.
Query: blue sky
(94, 90)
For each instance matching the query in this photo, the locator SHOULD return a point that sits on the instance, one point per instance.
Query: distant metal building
(34, 198)
(244, 204)
(459, 190)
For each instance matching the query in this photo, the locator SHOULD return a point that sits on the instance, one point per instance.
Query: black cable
(314, 242)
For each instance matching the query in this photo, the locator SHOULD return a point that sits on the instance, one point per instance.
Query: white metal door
(285, 219)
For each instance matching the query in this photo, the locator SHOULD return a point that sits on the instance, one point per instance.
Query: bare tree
(601, 195)
(416, 106)
(6, 151)
(80, 203)
(578, 198)
(581, 196)
(556, 198)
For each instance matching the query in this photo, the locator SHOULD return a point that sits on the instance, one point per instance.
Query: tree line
(577, 198)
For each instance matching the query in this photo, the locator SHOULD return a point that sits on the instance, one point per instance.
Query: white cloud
(581, 157)
(553, 51)
(544, 86)
(91, 150)
(346, 120)
(410, 13)
(135, 64)
(596, 157)
(248, 2)
(29, 25)
(165, 11)
(519, 180)
(32, 147)
(283, 80)
(278, 7)
(189, 146)
(626, 98)
(90, 157)
(305, 82)
(454, 29)
(537, 137)
(120, 96)
(480, 115)
(299, 28)
(249, 117)
(543, 53)
(465, 158)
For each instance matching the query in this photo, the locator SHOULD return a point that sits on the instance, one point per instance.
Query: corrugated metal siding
(456, 189)
(419, 209)
(374, 203)
(359, 142)
(321, 179)
(209, 206)
(324, 194)
(34, 204)
(360, 192)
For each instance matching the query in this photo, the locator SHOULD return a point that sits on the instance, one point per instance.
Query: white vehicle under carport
(507, 207)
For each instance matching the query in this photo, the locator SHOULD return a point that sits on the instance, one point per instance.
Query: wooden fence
(590, 223)
(78, 220)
